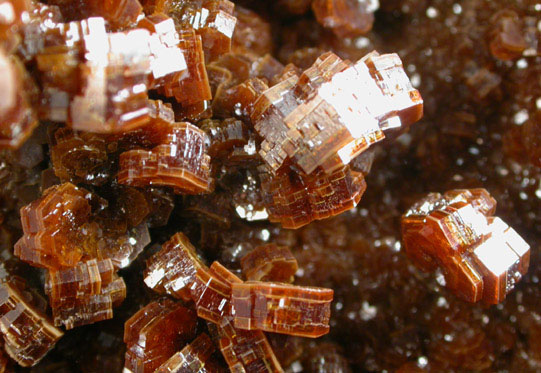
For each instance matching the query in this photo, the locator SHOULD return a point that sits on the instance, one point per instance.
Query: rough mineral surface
(282, 308)
(482, 257)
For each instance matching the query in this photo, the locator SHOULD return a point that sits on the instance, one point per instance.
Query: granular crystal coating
(294, 199)
(192, 358)
(156, 332)
(28, 333)
(282, 308)
(334, 111)
(269, 263)
(481, 256)
(180, 162)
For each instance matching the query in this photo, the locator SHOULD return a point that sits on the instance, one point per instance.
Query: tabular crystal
(180, 162)
(212, 19)
(84, 294)
(481, 256)
(28, 333)
(269, 263)
(193, 358)
(155, 333)
(294, 199)
(282, 308)
(334, 111)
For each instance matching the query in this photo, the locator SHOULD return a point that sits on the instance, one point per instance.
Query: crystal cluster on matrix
(482, 257)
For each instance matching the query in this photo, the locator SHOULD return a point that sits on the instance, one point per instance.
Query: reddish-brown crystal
(28, 334)
(294, 199)
(346, 18)
(252, 33)
(282, 308)
(481, 256)
(84, 294)
(180, 162)
(155, 333)
(334, 111)
(507, 40)
(192, 358)
(213, 20)
(269, 263)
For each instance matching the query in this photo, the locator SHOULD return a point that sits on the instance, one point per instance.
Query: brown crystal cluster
(481, 256)
(254, 128)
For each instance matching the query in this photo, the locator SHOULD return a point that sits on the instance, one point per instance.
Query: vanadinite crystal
(240, 185)
(482, 257)
(28, 333)
(334, 111)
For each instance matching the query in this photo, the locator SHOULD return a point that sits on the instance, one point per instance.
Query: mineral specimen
(155, 333)
(282, 308)
(334, 111)
(481, 256)
(269, 263)
(27, 332)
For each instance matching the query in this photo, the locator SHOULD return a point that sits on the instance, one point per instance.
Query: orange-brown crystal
(282, 308)
(482, 257)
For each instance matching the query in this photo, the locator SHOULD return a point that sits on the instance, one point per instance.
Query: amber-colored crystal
(17, 118)
(243, 350)
(481, 256)
(50, 227)
(282, 308)
(508, 41)
(192, 358)
(80, 157)
(28, 333)
(334, 111)
(12, 13)
(84, 294)
(59, 230)
(212, 19)
(346, 18)
(269, 263)
(155, 333)
(295, 200)
(180, 162)
(173, 268)
(252, 33)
